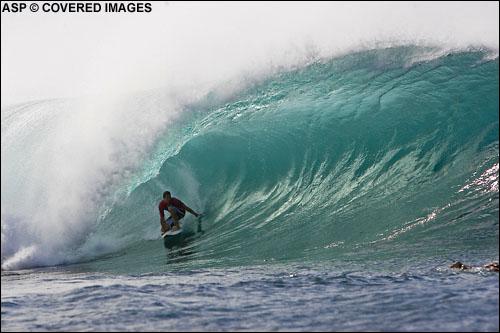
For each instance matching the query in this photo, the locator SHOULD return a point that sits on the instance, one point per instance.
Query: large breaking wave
(385, 152)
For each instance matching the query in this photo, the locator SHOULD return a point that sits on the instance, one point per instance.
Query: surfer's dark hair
(165, 194)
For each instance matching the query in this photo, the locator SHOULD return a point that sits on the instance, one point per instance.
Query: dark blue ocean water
(344, 296)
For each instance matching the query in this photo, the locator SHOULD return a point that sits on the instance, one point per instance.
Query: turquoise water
(330, 192)
(368, 153)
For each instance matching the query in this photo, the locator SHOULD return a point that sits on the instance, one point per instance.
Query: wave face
(386, 153)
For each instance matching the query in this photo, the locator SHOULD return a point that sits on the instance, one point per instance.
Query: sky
(64, 55)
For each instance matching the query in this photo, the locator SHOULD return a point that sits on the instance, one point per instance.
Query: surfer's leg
(164, 226)
(168, 225)
(175, 225)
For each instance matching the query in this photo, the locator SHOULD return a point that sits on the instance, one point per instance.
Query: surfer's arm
(191, 211)
(162, 221)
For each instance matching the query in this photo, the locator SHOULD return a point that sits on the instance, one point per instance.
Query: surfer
(177, 210)
(493, 266)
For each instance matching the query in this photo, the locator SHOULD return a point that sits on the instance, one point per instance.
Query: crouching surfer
(177, 210)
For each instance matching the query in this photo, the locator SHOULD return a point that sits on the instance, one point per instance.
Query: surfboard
(171, 233)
